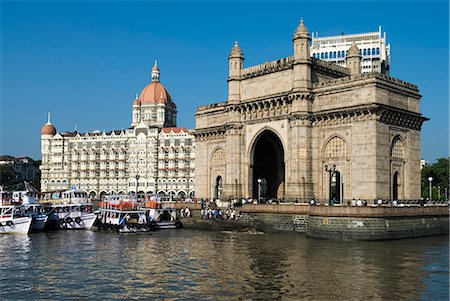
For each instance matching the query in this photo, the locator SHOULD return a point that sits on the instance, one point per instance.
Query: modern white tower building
(373, 48)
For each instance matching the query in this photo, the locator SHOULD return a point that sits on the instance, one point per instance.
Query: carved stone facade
(301, 128)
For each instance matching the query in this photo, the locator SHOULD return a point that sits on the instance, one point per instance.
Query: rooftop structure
(375, 52)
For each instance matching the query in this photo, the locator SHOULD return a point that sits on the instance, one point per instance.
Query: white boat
(163, 214)
(12, 220)
(27, 201)
(68, 209)
(122, 213)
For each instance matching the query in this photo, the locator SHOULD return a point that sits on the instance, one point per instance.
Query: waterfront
(207, 265)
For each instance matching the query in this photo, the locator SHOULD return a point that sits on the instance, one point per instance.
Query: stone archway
(395, 186)
(267, 166)
(218, 188)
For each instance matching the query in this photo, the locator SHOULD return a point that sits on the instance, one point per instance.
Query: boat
(68, 209)
(27, 202)
(163, 214)
(123, 214)
(12, 219)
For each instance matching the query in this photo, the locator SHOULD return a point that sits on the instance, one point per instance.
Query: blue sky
(84, 61)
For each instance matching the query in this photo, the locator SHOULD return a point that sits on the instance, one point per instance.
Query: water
(202, 265)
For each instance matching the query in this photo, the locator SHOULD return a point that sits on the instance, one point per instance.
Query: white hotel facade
(375, 52)
(153, 156)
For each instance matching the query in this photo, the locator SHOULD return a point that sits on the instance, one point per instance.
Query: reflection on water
(200, 265)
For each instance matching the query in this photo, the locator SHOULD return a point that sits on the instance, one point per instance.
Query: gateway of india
(302, 128)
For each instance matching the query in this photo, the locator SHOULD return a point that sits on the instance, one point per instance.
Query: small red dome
(48, 129)
(155, 68)
(137, 102)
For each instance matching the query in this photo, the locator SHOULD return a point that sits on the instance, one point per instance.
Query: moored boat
(12, 219)
(123, 214)
(163, 214)
(28, 204)
(68, 209)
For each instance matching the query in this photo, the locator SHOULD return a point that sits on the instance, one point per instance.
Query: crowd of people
(218, 214)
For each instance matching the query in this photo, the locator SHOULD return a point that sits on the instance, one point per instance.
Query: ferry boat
(163, 214)
(68, 209)
(123, 214)
(27, 202)
(12, 219)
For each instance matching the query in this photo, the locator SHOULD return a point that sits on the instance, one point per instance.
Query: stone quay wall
(337, 223)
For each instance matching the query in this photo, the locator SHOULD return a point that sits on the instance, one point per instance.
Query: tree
(439, 171)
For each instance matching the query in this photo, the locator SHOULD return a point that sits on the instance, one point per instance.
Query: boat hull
(83, 221)
(38, 223)
(20, 225)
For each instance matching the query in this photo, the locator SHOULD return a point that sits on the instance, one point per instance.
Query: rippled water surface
(201, 265)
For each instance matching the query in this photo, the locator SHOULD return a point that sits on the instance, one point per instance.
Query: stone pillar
(299, 160)
(234, 179)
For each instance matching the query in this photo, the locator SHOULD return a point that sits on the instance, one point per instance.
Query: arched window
(336, 148)
(322, 56)
(373, 51)
(326, 55)
(365, 52)
(378, 50)
(218, 158)
(397, 148)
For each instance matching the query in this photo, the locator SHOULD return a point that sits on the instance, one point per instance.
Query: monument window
(397, 149)
(336, 148)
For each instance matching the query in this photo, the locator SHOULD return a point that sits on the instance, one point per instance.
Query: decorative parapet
(351, 79)
(217, 105)
(287, 63)
(215, 133)
(330, 67)
(267, 67)
(385, 114)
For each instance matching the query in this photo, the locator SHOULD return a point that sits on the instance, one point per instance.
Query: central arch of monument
(267, 166)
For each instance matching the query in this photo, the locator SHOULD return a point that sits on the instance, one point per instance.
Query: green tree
(439, 171)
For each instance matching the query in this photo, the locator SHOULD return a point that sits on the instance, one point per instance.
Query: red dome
(155, 68)
(48, 129)
(155, 92)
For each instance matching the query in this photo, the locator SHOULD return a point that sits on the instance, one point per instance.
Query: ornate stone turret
(236, 61)
(136, 118)
(353, 59)
(301, 42)
(302, 60)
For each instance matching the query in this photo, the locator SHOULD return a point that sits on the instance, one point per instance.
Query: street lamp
(430, 179)
(259, 190)
(137, 179)
(439, 193)
(330, 170)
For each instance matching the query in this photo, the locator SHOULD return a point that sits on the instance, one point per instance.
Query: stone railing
(346, 211)
(328, 66)
(372, 75)
(267, 67)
